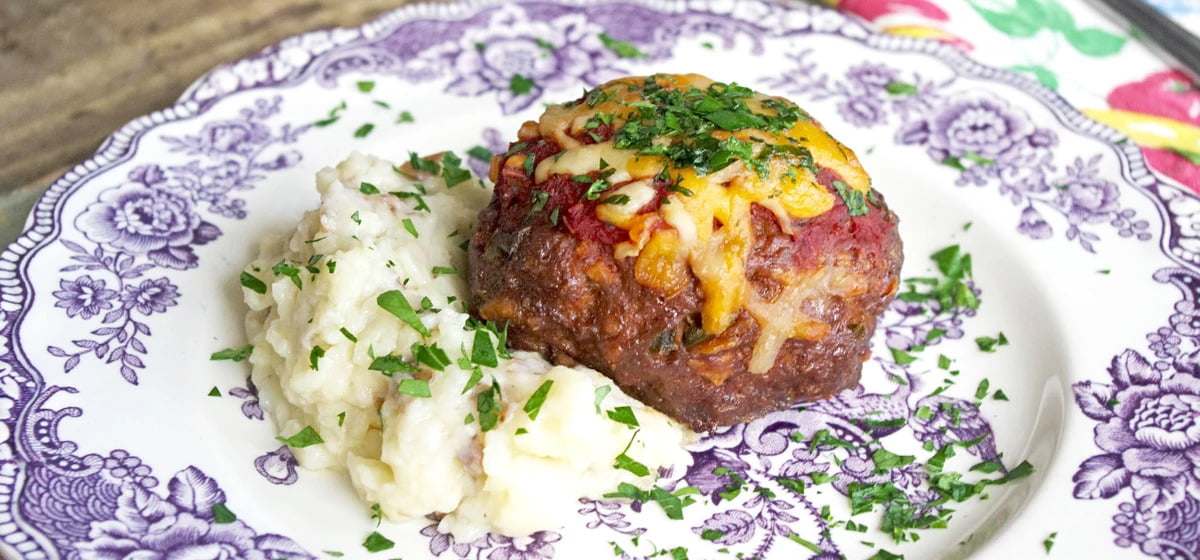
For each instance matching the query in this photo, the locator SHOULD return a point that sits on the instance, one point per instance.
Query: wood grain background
(74, 71)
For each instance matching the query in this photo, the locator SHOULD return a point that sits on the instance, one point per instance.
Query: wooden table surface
(74, 71)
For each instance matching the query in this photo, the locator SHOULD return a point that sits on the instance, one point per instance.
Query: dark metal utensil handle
(1170, 37)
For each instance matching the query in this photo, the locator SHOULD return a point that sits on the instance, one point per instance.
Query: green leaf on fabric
(1014, 23)
(1055, 16)
(1043, 74)
(1094, 42)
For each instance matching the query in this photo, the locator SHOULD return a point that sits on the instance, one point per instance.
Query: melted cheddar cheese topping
(720, 148)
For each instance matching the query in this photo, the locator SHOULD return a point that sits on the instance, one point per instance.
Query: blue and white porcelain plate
(125, 282)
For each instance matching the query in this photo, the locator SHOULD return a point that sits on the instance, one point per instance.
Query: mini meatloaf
(711, 249)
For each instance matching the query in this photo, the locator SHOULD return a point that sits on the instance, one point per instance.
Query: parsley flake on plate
(376, 542)
(623, 49)
(235, 354)
(222, 514)
(521, 85)
(304, 438)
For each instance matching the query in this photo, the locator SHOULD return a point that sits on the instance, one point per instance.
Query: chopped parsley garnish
(423, 165)
(367, 188)
(315, 356)
(528, 164)
(222, 514)
(883, 554)
(421, 205)
(366, 86)
(533, 406)
(901, 357)
(900, 88)
(886, 460)
(520, 85)
(539, 198)
(672, 503)
(391, 364)
(1049, 542)
(711, 534)
(364, 130)
(235, 354)
(989, 344)
(476, 377)
(410, 228)
(626, 463)
(617, 199)
(252, 283)
(487, 406)
(377, 514)
(214, 392)
(405, 117)
(354, 218)
(999, 395)
(987, 467)
(394, 302)
(622, 49)
(677, 123)
(414, 387)
(334, 115)
(624, 415)
(856, 203)
(444, 270)
(596, 189)
(452, 172)
(806, 544)
(431, 355)
(341, 416)
(680, 190)
(347, 334)
(482, 350)
(304, 438)
(480, 153)
(952, 290)
(601, 392)
(376, 542)
(819, 478)
(284, 269)
(982, 390)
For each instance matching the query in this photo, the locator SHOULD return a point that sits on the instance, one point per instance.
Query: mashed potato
(404, 412)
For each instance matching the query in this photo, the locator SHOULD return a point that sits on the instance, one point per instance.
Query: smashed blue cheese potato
(367, 361)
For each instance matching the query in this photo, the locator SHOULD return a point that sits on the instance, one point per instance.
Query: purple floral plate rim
(44, 223)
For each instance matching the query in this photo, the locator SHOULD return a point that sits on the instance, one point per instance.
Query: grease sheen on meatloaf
(710, 249)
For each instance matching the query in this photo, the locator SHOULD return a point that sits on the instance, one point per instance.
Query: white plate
(113, 449)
